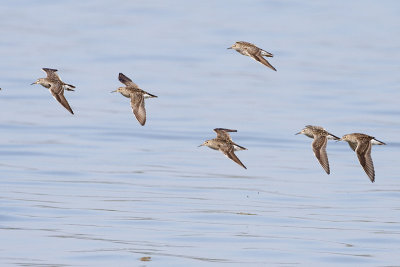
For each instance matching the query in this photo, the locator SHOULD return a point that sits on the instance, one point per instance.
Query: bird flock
(358, 142)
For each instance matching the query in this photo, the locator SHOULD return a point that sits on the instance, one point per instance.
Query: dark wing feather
(125, 80)
(363, 151)
(258, 57)
(352, 145)
(137, 104)
(319, 148)
(223, 133)
(228, 150)
(51, 74)
(58, 93)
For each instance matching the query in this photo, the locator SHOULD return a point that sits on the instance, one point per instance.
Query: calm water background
(97, 189)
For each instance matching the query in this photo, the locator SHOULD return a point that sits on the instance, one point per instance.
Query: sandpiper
(56, 87)
(256, 53)
(320, 136)
(361, 144)
(137, 96)
(224, 143)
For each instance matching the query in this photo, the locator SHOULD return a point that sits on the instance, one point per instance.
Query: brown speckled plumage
(251, 50)
(56, 87)
(224, 143)
(362, 144)
(137, 96)
(320, 136)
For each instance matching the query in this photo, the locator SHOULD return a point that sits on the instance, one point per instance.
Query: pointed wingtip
(49, 69)
(372, 179)
(142, 122)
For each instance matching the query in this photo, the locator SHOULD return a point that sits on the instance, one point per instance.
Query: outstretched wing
(223, 133)
(228, 151)
(125, 80)
(352, 145)
(258, 57)
(51, 74)
(363, 151)
(58, 93)
(137, 104)
(319, 148)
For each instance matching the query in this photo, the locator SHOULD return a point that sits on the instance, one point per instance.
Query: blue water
(98, 189)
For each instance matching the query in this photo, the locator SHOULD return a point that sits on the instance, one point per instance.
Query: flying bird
(224, 143)
(320, 136)
(137, 96)
(362, 144)
(256, 53)
(56, 87)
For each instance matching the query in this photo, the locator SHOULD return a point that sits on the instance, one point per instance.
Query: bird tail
(266, 54)
(148, 95)
(237, 147)
(333, 137)
(69, 87)
(377, 142)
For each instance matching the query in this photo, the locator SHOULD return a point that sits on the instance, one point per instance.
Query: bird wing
(223, 133)
(363, 151)
(58, 93)
(137, 104)
(352, 145)
(319, 148)
(228, 151)
(51, 74)
(125, 80)
(258, 57)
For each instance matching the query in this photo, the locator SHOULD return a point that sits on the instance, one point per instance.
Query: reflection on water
(97, 189)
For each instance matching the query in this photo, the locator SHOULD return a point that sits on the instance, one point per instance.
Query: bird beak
(297, 133)
(229, 48)
(114, 91)
(340, 139)
(200, 145)
(33, 83)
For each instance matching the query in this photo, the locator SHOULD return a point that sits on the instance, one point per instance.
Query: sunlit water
(97, 189)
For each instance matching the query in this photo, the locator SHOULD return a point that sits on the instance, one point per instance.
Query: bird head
(233, 46)
(344, 138)
(38, 81)
(206, 143)
(118, 90)
(302, 131)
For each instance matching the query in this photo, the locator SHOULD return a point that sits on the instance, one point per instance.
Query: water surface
(97, 189)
